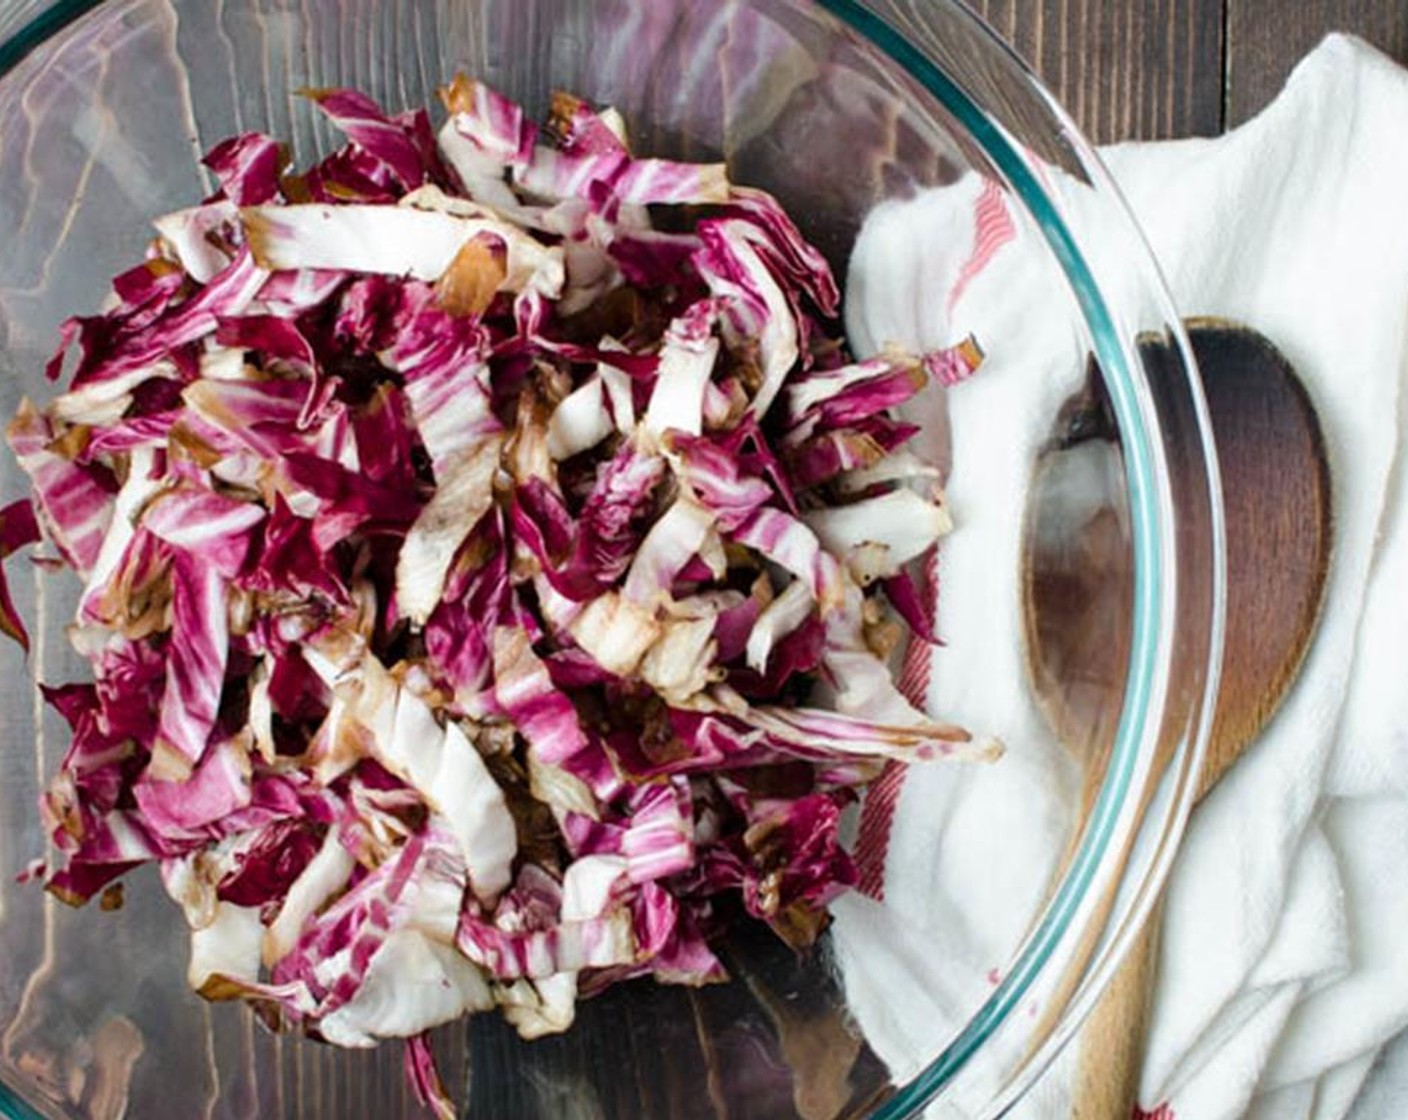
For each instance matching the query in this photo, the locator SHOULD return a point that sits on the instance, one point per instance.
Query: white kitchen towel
(1386, 1088)
(1278, 982)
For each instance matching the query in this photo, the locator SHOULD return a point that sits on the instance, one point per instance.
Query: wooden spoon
(1276, 494)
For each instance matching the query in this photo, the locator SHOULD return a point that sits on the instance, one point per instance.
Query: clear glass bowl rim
(1151, 524)
(1151, 527)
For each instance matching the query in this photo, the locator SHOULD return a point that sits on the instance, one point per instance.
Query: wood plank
(1136, 70)
(776, 1041)
(1266, 38)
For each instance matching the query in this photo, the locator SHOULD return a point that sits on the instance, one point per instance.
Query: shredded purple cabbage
(468, 565)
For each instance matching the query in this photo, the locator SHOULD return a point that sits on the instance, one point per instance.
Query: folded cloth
(1278, 976)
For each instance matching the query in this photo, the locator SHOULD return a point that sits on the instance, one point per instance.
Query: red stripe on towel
(878, 813)
(992, 229)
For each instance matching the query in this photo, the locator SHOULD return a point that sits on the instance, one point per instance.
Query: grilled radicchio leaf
(478, 580)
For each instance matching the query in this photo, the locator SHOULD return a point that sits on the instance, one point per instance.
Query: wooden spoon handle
(1112, 1040)
(1276, 495)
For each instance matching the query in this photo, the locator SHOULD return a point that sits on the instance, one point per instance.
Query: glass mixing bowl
(848, 110)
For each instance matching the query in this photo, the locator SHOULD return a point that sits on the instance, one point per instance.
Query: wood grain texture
(1276, 489)
(1161, 69)
(1112, 1044)
(1137, 70)
(1276, 497)
(776, 1043)
(1266, 38)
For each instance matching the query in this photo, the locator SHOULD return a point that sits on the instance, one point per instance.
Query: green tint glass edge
(12, 1108)
(14, 49)
(911, 1098)
(12, 52)
(1147, 559)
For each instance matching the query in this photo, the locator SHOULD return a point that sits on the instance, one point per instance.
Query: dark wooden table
(1155, 69)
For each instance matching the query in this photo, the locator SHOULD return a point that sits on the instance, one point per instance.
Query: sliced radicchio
(469, 566)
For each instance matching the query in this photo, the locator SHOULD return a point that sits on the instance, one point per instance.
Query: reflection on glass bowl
(848, 111)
